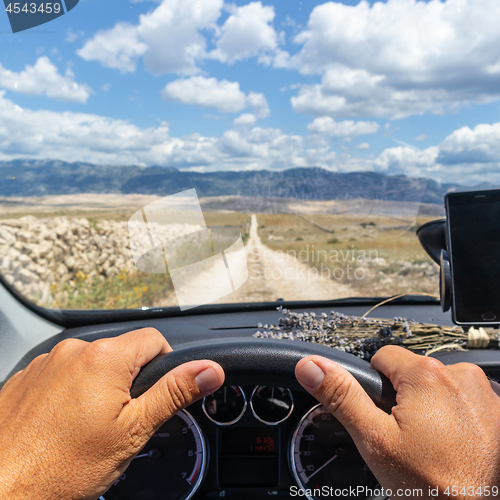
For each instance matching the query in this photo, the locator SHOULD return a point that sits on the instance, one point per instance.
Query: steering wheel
(264, 362)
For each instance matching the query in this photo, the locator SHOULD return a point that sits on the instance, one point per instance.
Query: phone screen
(473, 231)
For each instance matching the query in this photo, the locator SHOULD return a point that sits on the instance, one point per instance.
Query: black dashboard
(258, 439)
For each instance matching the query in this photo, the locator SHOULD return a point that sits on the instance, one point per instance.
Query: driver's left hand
(68, 426)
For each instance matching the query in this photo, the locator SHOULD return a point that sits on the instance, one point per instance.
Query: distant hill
(40, 178)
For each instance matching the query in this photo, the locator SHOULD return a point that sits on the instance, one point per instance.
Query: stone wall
(39, 254)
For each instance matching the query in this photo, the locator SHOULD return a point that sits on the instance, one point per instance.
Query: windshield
(189, 152)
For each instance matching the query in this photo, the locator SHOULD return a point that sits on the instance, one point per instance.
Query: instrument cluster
(248, 442)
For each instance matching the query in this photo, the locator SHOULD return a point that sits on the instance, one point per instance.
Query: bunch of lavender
(363, 337)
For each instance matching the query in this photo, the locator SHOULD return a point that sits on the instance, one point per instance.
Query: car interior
(258, 181)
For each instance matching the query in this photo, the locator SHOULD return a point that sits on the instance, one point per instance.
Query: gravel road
(271, 275)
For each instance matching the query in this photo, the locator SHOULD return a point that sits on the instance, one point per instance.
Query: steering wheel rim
(264, 362)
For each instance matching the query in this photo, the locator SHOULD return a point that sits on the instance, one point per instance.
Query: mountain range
(40, 178)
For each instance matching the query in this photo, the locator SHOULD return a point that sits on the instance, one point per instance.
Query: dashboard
(258, 438)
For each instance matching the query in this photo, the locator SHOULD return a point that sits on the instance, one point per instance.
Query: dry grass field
(378, 256)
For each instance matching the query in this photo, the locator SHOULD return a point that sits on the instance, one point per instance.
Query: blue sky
(397, 87)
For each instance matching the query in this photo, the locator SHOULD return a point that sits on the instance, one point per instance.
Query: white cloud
(352, 93)
(363, 145)
(259, 105)
(168, 38)
(207, 93)
(71, 136)
(172, 34)
(233, 144)
(259, 148)
(465, 156)
(44, 79)
(399, 58)
(223, 95)
(421, 137)
(247, 33)
(411, 161)
(172, 38)
(466, 146)
(117, 48)
(346, 128)
(245, 119)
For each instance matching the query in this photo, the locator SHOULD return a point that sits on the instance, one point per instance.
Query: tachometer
(170, 467)
(324, 460)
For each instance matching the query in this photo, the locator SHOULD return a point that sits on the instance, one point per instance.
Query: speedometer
(325, 461)
(170, 467)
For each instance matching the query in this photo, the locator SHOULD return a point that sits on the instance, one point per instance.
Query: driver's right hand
(443, 433)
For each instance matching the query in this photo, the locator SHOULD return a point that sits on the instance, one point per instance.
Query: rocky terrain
(37, 256)
(384, 279)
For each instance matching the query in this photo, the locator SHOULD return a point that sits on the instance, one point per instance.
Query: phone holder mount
(432, 237)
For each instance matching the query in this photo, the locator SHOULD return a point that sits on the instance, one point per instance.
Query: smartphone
(473, 241)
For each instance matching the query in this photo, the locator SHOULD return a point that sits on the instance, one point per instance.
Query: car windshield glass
(187, 152)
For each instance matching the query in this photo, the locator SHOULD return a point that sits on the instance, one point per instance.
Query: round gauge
(323, 457)
(271, 405)
(170, 467)
(226, 405)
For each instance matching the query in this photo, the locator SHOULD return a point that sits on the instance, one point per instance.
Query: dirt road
(274, 275)
(271, 275)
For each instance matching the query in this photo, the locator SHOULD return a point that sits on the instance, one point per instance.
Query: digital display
(474, 250)
(248, 441)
